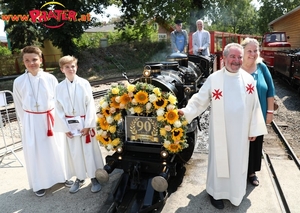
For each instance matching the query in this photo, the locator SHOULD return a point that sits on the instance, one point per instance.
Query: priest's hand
(251, 138)
(180, 112)
(69, 135)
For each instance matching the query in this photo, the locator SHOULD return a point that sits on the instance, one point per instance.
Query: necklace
(72, 102)
(36, 97)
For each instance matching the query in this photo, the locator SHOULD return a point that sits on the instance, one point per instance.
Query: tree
(272, 9)
(22, 33)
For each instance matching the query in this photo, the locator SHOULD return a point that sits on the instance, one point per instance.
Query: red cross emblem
(217, 94)
(250, 88)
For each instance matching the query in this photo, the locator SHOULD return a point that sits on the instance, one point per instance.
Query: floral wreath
(141, 99)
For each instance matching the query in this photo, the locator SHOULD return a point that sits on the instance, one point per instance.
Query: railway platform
(15, 195)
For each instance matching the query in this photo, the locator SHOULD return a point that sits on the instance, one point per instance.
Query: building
(289, 23)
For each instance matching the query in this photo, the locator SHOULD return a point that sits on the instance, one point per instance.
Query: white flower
(134, 102)
(103, 134)
(122, 106)
(152, 98)
(148, 106)
(170, 107)
(104, 104)
(109, 147)
(177, 124)
(168, 128)
(131, 110)
(109, 119)
(160, 112)
(112, 110)
(117, 99)
(166, 143)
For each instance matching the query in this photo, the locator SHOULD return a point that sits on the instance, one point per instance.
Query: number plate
(142, 129)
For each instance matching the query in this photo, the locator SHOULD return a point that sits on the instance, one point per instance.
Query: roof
(285, 15)
(102, 29)
(3, 39)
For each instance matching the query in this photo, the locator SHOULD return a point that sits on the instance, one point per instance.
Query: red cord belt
(50, 120)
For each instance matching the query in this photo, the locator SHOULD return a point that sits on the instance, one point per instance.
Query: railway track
(282, 162)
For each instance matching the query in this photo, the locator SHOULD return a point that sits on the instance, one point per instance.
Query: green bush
(4, 51)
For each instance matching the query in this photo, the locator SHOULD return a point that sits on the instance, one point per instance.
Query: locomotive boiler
(151, 168)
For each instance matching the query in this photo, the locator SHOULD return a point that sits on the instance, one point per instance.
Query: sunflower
(141, 97)
(160, 103)
(174, 148)
(104, 141)
(103, 123)
(114, 103)
(105, 111)
(177, 133)
(124, 99)
(171, 116)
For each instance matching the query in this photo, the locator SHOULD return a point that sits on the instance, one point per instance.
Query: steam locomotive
(150, 173)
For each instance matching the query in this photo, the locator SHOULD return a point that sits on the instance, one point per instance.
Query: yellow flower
(114, 104)
(171, 116)
(156, 91)
(103, 123)
(115, 142)
(124, 99)
(117, 117)
(184, 123)
(115, 91)
(177, 133)
(105, 111)
(104, 141)
(112, 129)
(130, 88)
(160, 103)
(160, 118)
(141, 97)
(172, 99)
(174, 148)
(138, 109)
(162, 132)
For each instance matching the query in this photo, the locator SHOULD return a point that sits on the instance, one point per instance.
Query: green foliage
(271, 10)
(22, 33)
(4, 51)
(88, 40)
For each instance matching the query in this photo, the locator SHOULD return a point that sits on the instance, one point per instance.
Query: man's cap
(178, 21)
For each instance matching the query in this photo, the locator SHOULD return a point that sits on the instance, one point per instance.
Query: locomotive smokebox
(181, 58)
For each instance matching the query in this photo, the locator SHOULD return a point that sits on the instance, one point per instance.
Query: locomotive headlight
(164, 154)
(119, 149)
(147, 71)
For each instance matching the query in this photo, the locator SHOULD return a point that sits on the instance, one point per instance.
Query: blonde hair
(247, 41)
(67, 59)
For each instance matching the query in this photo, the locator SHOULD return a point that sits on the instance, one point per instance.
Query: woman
(252, 63)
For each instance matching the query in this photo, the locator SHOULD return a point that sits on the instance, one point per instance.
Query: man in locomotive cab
(179, 38)
(235, 121)
(201, 40)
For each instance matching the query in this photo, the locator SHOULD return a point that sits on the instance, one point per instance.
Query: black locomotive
(150, 173)
(287, 66)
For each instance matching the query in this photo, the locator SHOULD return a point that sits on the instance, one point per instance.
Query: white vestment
(81, 158)
(41, 152)
(235, 115)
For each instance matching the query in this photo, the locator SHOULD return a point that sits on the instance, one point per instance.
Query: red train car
(218, 40)
(273, 42)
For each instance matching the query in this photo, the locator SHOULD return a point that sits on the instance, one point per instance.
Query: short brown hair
(31, 49)
(67, 59)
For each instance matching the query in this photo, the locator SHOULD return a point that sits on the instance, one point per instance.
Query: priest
(235, 120)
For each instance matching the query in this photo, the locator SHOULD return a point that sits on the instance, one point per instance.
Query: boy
(34, 102)
(75, 115)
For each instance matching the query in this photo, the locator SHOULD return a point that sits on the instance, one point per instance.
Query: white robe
(81, 159)
(41, 152)
(235, 116)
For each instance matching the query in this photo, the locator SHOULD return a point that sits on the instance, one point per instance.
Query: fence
(10, 130)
